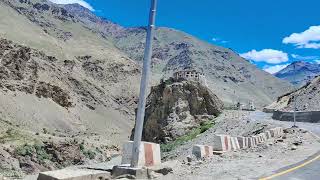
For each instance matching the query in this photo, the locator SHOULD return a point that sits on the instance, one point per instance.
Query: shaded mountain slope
(299, 72)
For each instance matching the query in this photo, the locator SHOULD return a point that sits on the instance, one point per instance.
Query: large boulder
(175, 108)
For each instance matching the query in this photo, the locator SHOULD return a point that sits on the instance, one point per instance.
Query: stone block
(202, 151)
(149, 154)
(74, 174)
(221, 143)
(137, 173)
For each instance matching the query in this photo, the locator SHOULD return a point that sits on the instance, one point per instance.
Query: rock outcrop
(307, 98)
(175, 108)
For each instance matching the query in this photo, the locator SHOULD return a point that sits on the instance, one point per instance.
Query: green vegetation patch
(11, 135)
(37, 150)
(88, 153)
(188, 137)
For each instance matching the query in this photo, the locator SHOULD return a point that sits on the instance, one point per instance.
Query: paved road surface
(306, 170)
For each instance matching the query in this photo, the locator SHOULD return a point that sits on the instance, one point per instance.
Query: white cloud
(309, 38)
(218, 40)
(81, 2)
(317, 61)
(275, 69)
(215, 39)
(296, 56)
(270, 56)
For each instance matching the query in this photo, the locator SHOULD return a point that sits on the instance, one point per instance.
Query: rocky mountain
(299, 72)
(307, 98)
(64, 68)
(58, 74)
(174, 108)
(231, 76)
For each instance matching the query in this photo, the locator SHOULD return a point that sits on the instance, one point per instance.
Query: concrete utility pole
(143, 86)
(295, 104)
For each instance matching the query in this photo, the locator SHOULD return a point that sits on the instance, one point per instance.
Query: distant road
(308, 169)
(261, 116)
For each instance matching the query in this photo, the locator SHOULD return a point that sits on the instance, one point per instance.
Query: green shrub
(37, 149)
(26, 150)
(45, 131)
(89, 154)
(81, 146)
(188, 137)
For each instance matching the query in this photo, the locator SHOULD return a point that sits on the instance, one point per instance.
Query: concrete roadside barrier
(281, 131)
(273, 132)
(251, 142)
(202, 151)
(243, 142)
(276, 132)
(221, 143)
(149, 154)
(259, 138)
(234, 143)
(268, 134)
(264, 136)
(247, 141)
(256, 139)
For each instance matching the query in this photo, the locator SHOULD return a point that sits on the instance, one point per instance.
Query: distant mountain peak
(299, 72)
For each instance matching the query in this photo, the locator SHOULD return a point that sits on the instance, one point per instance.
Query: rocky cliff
(175, 108)
(307, 98)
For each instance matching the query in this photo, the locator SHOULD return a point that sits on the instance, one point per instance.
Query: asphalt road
(308, 169)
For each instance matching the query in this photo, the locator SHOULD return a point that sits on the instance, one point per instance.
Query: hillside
(299, 72)
(230, 76)
(43, 46)
(96, 63)
(307, 98)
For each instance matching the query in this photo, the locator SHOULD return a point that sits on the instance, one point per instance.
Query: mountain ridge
(299, 72)
(103, 60)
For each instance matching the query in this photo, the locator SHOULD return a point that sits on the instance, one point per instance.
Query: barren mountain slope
(229, 75)
(307, 98)
(52, 51)
(91, 57)
(299, 72)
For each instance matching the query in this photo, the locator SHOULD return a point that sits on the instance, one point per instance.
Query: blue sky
(270, 33)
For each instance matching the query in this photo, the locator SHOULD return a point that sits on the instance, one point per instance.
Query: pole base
(295, 126)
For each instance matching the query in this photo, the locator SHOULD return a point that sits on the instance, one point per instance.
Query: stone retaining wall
(301, 116)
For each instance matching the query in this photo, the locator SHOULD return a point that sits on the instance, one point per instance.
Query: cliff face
(307, 98)
(175, 108)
